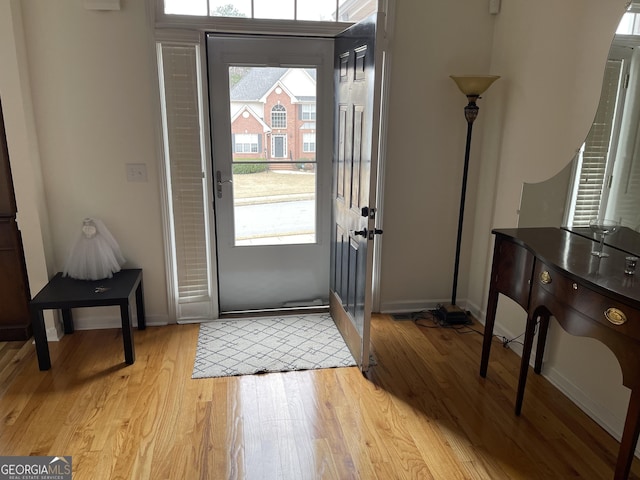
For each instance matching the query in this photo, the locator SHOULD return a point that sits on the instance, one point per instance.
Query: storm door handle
(219, 183)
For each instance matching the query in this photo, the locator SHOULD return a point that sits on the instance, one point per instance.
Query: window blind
(594, 155)
(184, 165)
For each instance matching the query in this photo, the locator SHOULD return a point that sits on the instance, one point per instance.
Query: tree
(236, 73)
(228, 10)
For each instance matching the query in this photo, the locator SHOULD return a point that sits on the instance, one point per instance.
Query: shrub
(241, 169)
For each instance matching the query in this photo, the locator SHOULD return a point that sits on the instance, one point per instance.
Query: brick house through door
(273, 116)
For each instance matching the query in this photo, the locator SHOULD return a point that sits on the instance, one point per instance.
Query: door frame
(191, 31)
(384, 46)
(239, 260)
(274, 145)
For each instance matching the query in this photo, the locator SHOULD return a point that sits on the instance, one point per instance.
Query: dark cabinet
(7, 196)
(15, 322)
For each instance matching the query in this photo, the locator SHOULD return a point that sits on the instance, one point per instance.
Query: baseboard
(411, 306)
(422, 305)
(603, 417)
(99, 323)
(53, 324)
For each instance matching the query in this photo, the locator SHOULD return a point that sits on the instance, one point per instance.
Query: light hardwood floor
(424, 413)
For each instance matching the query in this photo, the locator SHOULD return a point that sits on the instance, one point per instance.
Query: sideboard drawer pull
(615, 316)
(545, 277)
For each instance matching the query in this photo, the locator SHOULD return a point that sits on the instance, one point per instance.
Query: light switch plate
(136, 172)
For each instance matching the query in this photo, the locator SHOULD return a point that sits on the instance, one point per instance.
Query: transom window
(305, 10)
(278, 116)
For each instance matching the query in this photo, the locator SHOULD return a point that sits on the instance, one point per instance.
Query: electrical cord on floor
(506, 341)
(429, 319)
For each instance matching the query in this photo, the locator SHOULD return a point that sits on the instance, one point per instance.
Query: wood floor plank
(423, 412)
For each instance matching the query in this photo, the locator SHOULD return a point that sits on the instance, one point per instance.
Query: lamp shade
(474, 85)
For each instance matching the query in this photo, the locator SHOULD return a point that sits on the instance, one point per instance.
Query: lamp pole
(470, 113)
(472, 86)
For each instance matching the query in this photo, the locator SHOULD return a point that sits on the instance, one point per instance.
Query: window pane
(349, 11)
(185, 7)
(309, 111)
(230, 8)
(309, 142)
(317, 10)
(279, 117)
(306, 10)
(280, 9)
(275, 206)
(274, 180)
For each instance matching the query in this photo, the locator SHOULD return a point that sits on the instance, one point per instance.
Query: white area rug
(273, 344)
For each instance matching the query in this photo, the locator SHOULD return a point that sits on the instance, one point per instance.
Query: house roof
(258, 81)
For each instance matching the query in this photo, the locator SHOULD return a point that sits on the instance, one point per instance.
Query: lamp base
(452, 315)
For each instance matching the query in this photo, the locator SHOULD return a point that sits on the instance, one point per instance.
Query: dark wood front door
(357, 116)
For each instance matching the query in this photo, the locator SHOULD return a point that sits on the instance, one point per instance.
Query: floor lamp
(472, 86)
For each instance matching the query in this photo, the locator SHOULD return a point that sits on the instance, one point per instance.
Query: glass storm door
(271, 149)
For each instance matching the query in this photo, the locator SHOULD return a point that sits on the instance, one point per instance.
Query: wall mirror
(603, 178)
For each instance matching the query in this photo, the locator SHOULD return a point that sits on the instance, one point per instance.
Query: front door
(357, 122)
(271, 118)
(278, 146)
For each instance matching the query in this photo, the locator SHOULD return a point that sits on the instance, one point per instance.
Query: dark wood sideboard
(551, 272)
(15, 321)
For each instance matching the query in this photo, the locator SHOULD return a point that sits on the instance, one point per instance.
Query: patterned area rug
(269, 344)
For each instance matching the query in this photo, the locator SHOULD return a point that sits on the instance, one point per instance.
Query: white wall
(92, 84)
(551, 58)
(22, 139)
(551, 55)
(425, 150)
